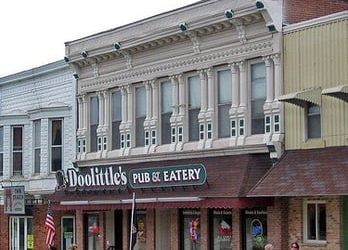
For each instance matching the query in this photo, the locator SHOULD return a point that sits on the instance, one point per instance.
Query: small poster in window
(14, 200)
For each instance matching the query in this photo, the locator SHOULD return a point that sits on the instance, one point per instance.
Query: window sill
(314, 243)
(313, 143)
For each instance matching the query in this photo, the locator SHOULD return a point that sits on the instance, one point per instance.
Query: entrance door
(91, 231)
(254, 222)
(118, 229)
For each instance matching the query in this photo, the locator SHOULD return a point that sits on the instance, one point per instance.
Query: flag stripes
(49, 223)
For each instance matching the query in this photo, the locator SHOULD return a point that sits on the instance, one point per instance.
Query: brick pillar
(174, 229)
(277, 224)
(79, 229)
(4, 229)
(125, 230)
(204, 229)
(150, 229)
(236, 229)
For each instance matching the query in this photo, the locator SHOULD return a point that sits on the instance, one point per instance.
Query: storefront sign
(187, 175)
(14, 200)
(97, 177)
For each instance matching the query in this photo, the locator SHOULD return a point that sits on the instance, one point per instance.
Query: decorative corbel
(195, 41)
(126, 55)
(240, 29)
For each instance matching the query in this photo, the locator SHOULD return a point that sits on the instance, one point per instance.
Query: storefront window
(191, 229)
(221, 229)
(140, 219)
(92, 231)
(254, 229)
(21, 236)
(68, 232)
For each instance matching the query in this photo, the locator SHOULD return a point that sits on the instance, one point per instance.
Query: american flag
(49, 223)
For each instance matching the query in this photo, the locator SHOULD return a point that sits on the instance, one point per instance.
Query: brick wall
(333, 224)
(4, 221)
(277, 224)
(299, 10)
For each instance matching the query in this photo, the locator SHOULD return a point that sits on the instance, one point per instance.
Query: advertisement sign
(14, 200)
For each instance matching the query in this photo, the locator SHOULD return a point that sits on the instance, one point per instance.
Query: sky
(33, 32)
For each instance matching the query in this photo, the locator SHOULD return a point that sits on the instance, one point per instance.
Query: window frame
(51, 146)
(307, 116)
(165, 114)
(305, 221)
(17, 151)
(16, 219)
(90, 123)
(62, 229)
(190, 137)
(36, 147)
(115, 144)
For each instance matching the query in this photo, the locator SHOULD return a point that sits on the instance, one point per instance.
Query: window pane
(56, 132)
(322, 221)
(116, 106)
(224, 121)
(37, 133)
(191, 230)
(311, 224)
(165, 127)
(56, 158)
(140, 101)
(116, 134)
(222, 229)
(67, 233)
(194, 86)
(17, 138)
(1, 139)
(37, 160)
(313, 121)
(193, 125)
(17, 163)
(258, 97)
(94, 138)
(21, 233)
(94, 109)
(166, 97)
(225, 86)
(140, 133)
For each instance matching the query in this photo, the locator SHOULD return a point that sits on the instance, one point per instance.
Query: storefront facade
(180, 107)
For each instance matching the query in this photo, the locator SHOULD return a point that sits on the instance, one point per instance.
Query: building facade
(37, 138)
(310, 180)
(178, 109)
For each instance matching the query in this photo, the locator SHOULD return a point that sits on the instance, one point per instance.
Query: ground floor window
(21, 233)
(68, 232)
(315, 221)
(91, 231)
(220, 229)
(140, 222)
(190, 229)
(254, 224)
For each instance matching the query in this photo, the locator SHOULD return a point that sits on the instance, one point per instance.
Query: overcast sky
(33, 32)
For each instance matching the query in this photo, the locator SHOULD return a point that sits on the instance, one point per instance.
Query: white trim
(305, 235)
(316, 22)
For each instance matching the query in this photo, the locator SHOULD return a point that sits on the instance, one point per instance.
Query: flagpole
(131, 225)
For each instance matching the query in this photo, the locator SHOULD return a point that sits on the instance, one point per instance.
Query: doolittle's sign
(115, 177)
(187, 175)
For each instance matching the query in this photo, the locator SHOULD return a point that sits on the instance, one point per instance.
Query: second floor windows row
(222, 102)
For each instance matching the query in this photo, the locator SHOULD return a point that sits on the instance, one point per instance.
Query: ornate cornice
(175, 66)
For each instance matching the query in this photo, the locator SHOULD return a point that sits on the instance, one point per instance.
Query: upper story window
(224, 102)
(194, 106)
(313, 121)
(140, 115)
(315, 221)
(116, 118)
(17, 150)
(258, 97)
(166, 111)
(94, 121)
(56, 144)
(1, 151)
(37, 145)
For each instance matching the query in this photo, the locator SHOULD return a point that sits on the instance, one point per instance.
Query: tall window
(94, 121)
(221, 224)
(1, 151)
(194, 106)
(166, 111)
(91, 232)
(315, 221)
(224, 102)
(68, 232)
(37, 145)
(56, 145)
(190, 229)
(313, 121)
(258, 97)
(21, 234)
(116, 118)
(140, 115)
(17, 150)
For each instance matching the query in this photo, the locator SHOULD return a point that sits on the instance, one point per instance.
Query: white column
(269, 78)
(148, 100)
(278, 87)
(155, 100)
(85, 105)
(235, 85)
(243, 84)
(124, 104)
(130, 104)
(80, 109)
(175, 95)
(204, 93)
(181, 95)
(210, 90)
(107, 112)
(101, 108)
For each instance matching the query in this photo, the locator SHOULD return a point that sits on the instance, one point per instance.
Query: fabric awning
(340, 92)
(301, 98)
(309, 172)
